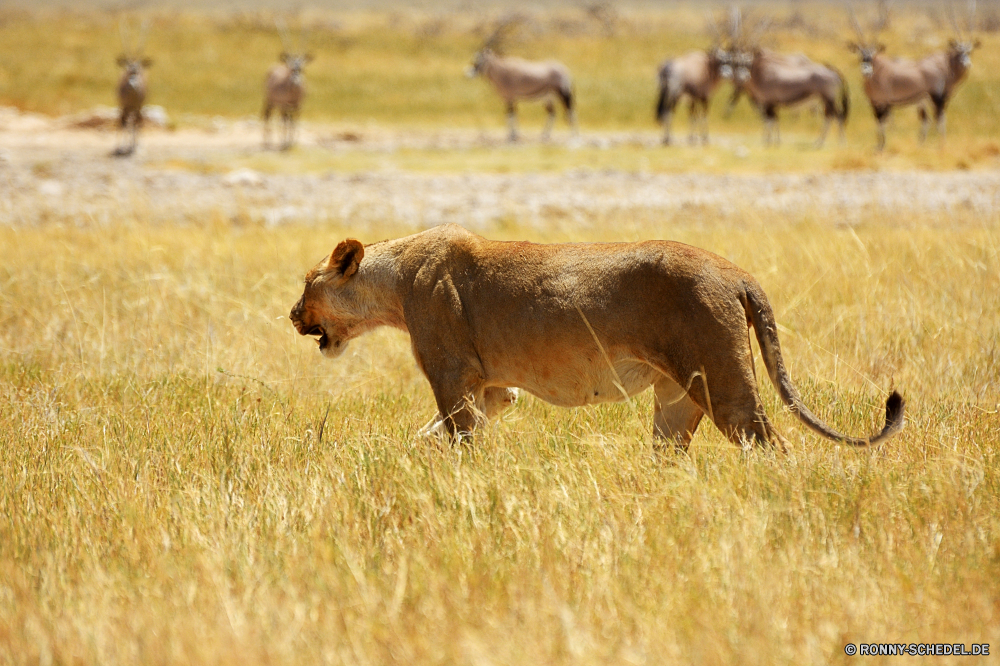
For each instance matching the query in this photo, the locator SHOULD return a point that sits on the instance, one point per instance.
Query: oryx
(695, 74)
(773, 80)
(131, 88)
(893, 82)
(516, 80)
(285, 88)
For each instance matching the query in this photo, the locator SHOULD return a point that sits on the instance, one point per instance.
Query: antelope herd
(769, 79)
(893, 82)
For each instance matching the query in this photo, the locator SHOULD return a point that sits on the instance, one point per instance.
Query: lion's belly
(583, 381)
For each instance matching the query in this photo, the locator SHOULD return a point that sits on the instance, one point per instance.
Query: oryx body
(131, 97)
(518, 80)
(284, 90)
(773, 80)
(131, 89)
(893, 82)
(695, 74)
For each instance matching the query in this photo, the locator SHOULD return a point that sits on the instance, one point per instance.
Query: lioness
(574, 324)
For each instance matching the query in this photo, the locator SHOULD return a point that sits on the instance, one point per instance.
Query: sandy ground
(50, 173)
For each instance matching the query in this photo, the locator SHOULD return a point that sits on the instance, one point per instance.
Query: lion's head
(328, 307)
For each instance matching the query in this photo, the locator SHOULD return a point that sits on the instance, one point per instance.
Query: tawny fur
(573, 324)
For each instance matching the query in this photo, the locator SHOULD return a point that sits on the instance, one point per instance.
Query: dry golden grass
(167, 495)
(184, 480)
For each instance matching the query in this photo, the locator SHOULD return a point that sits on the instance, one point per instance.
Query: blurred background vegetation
(404, 66)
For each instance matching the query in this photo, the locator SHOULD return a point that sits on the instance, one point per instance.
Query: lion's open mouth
(322, 340)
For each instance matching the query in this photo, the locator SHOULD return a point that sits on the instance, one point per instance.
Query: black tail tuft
(894, 409)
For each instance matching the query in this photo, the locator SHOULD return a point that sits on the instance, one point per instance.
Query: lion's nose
(296, 315)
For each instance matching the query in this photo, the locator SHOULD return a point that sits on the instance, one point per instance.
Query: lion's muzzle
(329, 347)
(297, 317)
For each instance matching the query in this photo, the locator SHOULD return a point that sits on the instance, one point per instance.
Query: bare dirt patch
(49, 173)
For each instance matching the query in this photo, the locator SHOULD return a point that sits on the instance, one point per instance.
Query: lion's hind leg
(676, 416)
(723, 386)
(734, 405)
(496, 399)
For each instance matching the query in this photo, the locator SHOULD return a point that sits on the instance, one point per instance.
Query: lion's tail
(759, 313)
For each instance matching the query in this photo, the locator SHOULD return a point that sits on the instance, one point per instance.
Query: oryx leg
(829, 114)
(733, 101)
(136, 125)
(675, 416)
(704, 121)
(286, 129)
(131, 130)
(881, 116)
(693, 118)
(567, 99)
(120, 139)
(511, 122)
(266, 116)
(924, 122)
(771, 125)
(550, 119)
(666, 120)
(123, 139)
(939, 102)
(822, 135)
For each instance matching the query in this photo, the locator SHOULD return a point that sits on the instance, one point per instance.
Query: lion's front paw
(435, 429)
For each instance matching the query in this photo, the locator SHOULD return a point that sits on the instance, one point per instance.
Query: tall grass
(184, 480)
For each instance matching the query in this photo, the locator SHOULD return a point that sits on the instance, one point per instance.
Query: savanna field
(185, 480)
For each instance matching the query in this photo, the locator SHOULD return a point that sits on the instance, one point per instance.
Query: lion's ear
(345, 258)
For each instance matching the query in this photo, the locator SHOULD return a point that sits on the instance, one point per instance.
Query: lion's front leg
(460, 412)
(449, 360)
(489, 404)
